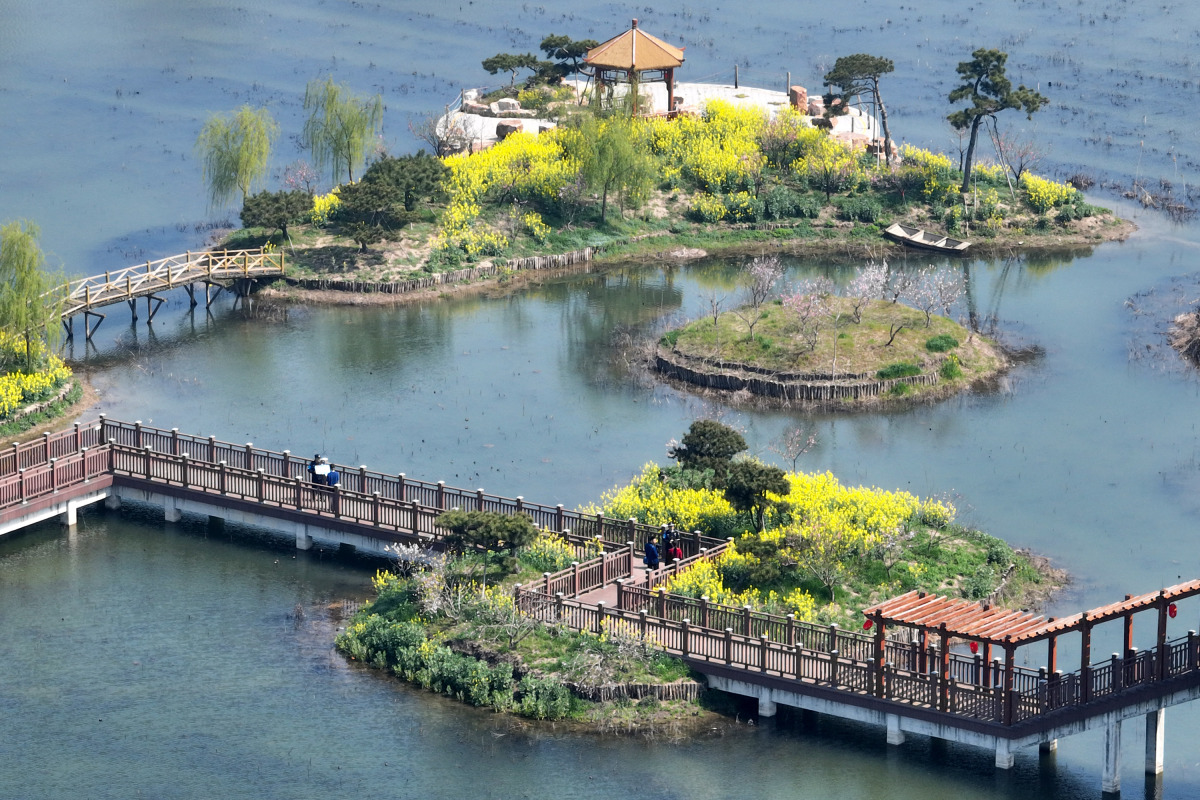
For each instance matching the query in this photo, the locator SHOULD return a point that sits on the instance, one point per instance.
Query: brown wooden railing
(817, 655)
(389, 508)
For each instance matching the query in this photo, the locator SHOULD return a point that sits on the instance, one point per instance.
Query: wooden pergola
(636, 57)
(988, 626)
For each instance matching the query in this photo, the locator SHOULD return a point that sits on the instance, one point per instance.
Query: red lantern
(974, 647)
(867, 625)
(1172, 611)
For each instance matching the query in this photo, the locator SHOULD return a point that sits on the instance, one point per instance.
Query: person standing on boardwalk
(651, 559)
(318, 470)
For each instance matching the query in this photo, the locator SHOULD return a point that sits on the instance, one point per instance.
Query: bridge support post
(894, 734)
(70, 517)
(766, 706)
(1048, 747)
(113, 501)
(1110, 782)
(1005, 758)
(304, 541)
(1155, 737)
(172, 513)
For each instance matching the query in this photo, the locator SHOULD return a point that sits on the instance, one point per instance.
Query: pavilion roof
(635, 50)
(988, 623)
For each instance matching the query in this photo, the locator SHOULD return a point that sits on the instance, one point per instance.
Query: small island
(815, 347)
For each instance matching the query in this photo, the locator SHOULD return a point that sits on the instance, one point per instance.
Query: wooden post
(704, 611)
(400, 488)
(146, 451)
(746, 631)
(249, 455)
(299, 487)
(791, 630)
(1010, 666)
(184, 469)
(54, 475)
(21, 480)
(479, 499)
(212, 448)
(1052, 653)
(944, 670)
(559, 604)
(574, 579)
(375, 510)
(1116, 668)
(642, 624)
(46, 447)
(1161, 654)
(833, 666)
(685, 634)
(287, 464)
(878, 660)
(261, 484)
(558, 513)
(1085, 659)
(441, 495)
(621, 595)
(1127, 624)
(174, 441)
(221, 477)
(600, 617)
(728, 646)
(762, 652)
(78, 438)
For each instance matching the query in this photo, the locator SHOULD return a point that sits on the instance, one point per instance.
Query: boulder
(798, 97)
(507, 104)
(816, 106)
(503, 129)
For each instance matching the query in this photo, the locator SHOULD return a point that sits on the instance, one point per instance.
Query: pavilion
(635, 57)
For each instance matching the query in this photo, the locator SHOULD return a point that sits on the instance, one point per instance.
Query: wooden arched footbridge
(220, 268)
(923, 664)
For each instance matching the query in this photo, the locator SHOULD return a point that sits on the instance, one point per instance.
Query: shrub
(707, 208)
(900, 369)
(808, 207)
(780, 202)
(743, 207)
(669, 339)
(1043, 195)
(549, 553)
(859, 209)
(951, 368)
(542, 698)
(941, 343)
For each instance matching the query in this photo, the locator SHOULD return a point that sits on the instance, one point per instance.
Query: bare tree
(1017, 153)
(445, 135)
(759, 278)
(796, 441)
(868, 285)
(808, 305)
(933, 290)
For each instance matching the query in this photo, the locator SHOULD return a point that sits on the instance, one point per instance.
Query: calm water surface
(154, 661)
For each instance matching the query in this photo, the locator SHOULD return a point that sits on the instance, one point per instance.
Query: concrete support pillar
(1005, 758)
(894, 734)
(1110, 783)
(303, 540)
(113, 501)
(172, 513)
(1155, 728)
(1048, 747)
(71, 516)
(766, 706)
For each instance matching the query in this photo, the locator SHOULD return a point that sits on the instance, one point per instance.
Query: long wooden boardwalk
(922, 664)
(219, 268)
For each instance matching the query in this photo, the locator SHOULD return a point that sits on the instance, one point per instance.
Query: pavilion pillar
(1160, 655)
(1052, 654)
(1127, 624)
(671, 93)
(944, 669)
(1155, 737)
(880, 655)
(1085, 659)
(1010, 665)
(987, 659)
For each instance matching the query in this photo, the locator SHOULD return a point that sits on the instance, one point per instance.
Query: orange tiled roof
(635, 50)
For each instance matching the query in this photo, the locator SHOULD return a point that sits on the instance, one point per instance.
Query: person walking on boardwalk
(651, 559)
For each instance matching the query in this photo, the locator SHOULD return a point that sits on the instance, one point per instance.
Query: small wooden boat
(916, 237)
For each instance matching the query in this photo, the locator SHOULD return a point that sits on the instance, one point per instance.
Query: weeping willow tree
(31, 299)
(235, 149)
(340, 125)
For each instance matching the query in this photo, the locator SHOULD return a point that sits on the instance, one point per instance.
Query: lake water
(178, 662)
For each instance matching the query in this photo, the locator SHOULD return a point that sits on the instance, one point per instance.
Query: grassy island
(814, 347)
(727, 179)
(802, 545)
